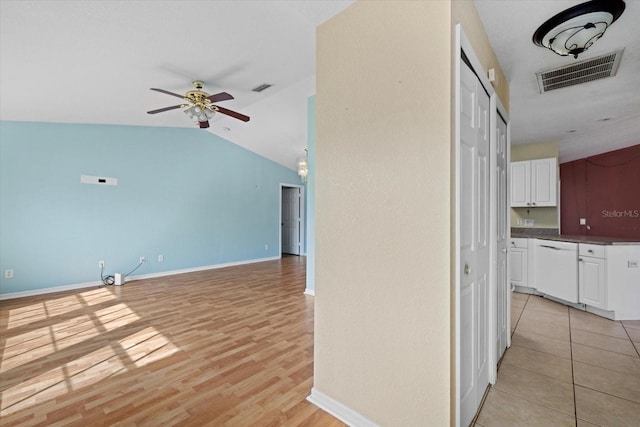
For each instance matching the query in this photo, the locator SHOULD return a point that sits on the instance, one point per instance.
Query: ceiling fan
(200, 105)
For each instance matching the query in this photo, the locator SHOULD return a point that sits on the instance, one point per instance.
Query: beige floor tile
(519, 296)
(518, 304)
(517, 311)
(541, 363)
(559, 319)
(582, 423)
(592, 323)
(605, 410)
(536, 388)
(635, 324)
(634, 334)
(541, 327)
(616, 362)
(504, 409)
(515, 318)
(541, 343)
(625, 386)
(548, 306)
(590, 339)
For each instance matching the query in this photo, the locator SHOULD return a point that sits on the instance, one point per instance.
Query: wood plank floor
(225, 347)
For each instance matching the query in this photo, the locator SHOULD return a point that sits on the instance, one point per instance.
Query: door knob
(467, 270)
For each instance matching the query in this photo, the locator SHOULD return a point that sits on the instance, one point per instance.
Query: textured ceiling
(585, 119)
(94, 62)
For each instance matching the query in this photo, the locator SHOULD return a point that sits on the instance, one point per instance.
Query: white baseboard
(52, 290)
(311, 292)
(338, 410)
(63, 288)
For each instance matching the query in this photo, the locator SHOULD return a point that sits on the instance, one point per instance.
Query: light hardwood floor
(231, 347)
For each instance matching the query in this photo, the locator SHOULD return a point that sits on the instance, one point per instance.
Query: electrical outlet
(266, 247)
(101, 264)
(632, 264)
(141, 259)
(519, 221)
(8, 274)
(160, 258)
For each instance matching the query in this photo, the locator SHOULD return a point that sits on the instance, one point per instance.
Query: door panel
(290, 222)
(502, 284)
(474, 245)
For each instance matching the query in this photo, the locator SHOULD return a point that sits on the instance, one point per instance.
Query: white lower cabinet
(593, 282)
(592, 275)
(518, 262)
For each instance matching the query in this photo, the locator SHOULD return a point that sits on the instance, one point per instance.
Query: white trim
(36, 292)
(505, 116)
(456, 269)
(493, 243)
(339, 410)
(63, 288)
(310, 292)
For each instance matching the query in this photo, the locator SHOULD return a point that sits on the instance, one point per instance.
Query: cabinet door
(518, 266)
(520, 184)
(544, 182)
(592, 282)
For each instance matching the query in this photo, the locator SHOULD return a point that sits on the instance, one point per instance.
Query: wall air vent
(579, 72)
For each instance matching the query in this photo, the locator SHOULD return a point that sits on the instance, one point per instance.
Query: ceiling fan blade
(222, 96)
(233, 114)
(167, 92)
(204, 125)
(160, 110)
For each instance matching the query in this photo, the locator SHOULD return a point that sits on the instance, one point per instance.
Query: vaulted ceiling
(94, 61)
(85, 61)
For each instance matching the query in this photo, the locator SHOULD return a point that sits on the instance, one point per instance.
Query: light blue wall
(311, 195)
(187, 194)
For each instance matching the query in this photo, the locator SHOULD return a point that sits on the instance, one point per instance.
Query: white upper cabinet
(520, 184)
(534, 183)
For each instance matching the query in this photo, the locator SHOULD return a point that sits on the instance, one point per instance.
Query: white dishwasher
(556, 269)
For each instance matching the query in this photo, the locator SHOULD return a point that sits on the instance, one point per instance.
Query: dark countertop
(548, 234)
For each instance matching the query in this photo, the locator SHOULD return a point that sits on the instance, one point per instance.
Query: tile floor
(565, 367)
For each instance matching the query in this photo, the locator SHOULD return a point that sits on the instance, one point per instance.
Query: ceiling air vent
(262, 87)
(579, 72)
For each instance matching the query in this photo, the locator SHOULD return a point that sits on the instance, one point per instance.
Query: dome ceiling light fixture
(574, 30)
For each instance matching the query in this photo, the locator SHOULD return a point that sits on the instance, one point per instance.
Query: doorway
(292, 226)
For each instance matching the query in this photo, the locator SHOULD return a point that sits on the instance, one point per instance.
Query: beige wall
(383, 304)
(542, 217)
(382, 211)
(534, 151)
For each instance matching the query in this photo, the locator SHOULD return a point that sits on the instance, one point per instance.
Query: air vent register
(579, 72)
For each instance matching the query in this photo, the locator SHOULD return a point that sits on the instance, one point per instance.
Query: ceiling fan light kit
(574, 30)
(200, 105)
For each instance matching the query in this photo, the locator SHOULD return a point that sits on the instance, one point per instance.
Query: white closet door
(474, 243)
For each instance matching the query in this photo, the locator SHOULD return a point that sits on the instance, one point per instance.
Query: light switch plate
(529, 222)
(583, 221)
